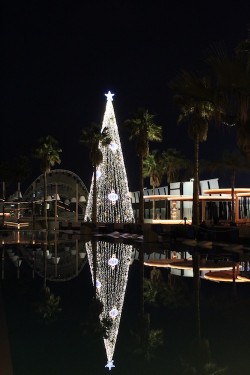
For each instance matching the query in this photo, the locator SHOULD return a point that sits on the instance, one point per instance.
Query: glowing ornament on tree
(113, 261)
(113, 146)
(98, 174)
(98, 284)
(113, 313)
(113, 197)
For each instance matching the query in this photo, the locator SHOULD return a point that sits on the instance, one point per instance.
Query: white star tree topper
(109, 96)
(110, 364)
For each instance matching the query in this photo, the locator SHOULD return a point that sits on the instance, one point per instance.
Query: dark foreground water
(70, 344)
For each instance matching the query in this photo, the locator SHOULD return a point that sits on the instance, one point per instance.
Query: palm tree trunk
(94, 207)
(196, 273)
(232, 194)
(44, 200)
(141, 276)
(153, 214)
(45, 247)
(141, 187)
(3, 216)
(196, 215)
(94, 250)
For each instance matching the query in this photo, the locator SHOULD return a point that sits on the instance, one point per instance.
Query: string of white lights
(113, 198)
(113, 260)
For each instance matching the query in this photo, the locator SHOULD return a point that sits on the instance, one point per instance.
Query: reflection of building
(113, 260)
(180, 263)
(113, 199)
(65, 258)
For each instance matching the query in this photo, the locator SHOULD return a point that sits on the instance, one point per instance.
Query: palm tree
(143, 130)
(231, 89)
(232, 162)
(20, 168)
(15, 171)
(173, 162)
(192, 96)
(93, 136)
(243, 131)
(48, 152)
(152, 168)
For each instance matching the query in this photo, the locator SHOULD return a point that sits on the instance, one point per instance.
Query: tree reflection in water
(173, 294)
(167, 326)
(109, 264)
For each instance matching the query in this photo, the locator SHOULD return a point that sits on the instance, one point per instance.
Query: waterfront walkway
(5, 356)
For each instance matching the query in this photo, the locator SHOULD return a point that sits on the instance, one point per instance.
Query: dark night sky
(59, 60)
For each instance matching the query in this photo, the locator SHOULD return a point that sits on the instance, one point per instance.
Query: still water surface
(154, 333)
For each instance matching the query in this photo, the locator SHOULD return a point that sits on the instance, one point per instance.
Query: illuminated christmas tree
(113, 199)
(113, 261)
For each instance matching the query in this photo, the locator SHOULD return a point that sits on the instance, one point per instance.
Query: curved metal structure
(66, 182)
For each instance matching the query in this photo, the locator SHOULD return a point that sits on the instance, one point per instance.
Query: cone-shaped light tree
(113, 203)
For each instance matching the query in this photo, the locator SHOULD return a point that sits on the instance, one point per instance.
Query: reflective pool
(138, 319)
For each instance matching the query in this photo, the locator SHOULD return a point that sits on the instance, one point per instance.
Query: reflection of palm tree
(96, 328)
(48, 152)
(159, 292)
(48, 307)
(196, 275)
(93, 137)
(141, 281)
(45, 247)
(146, 339)
(142, 131)
(198, 360)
